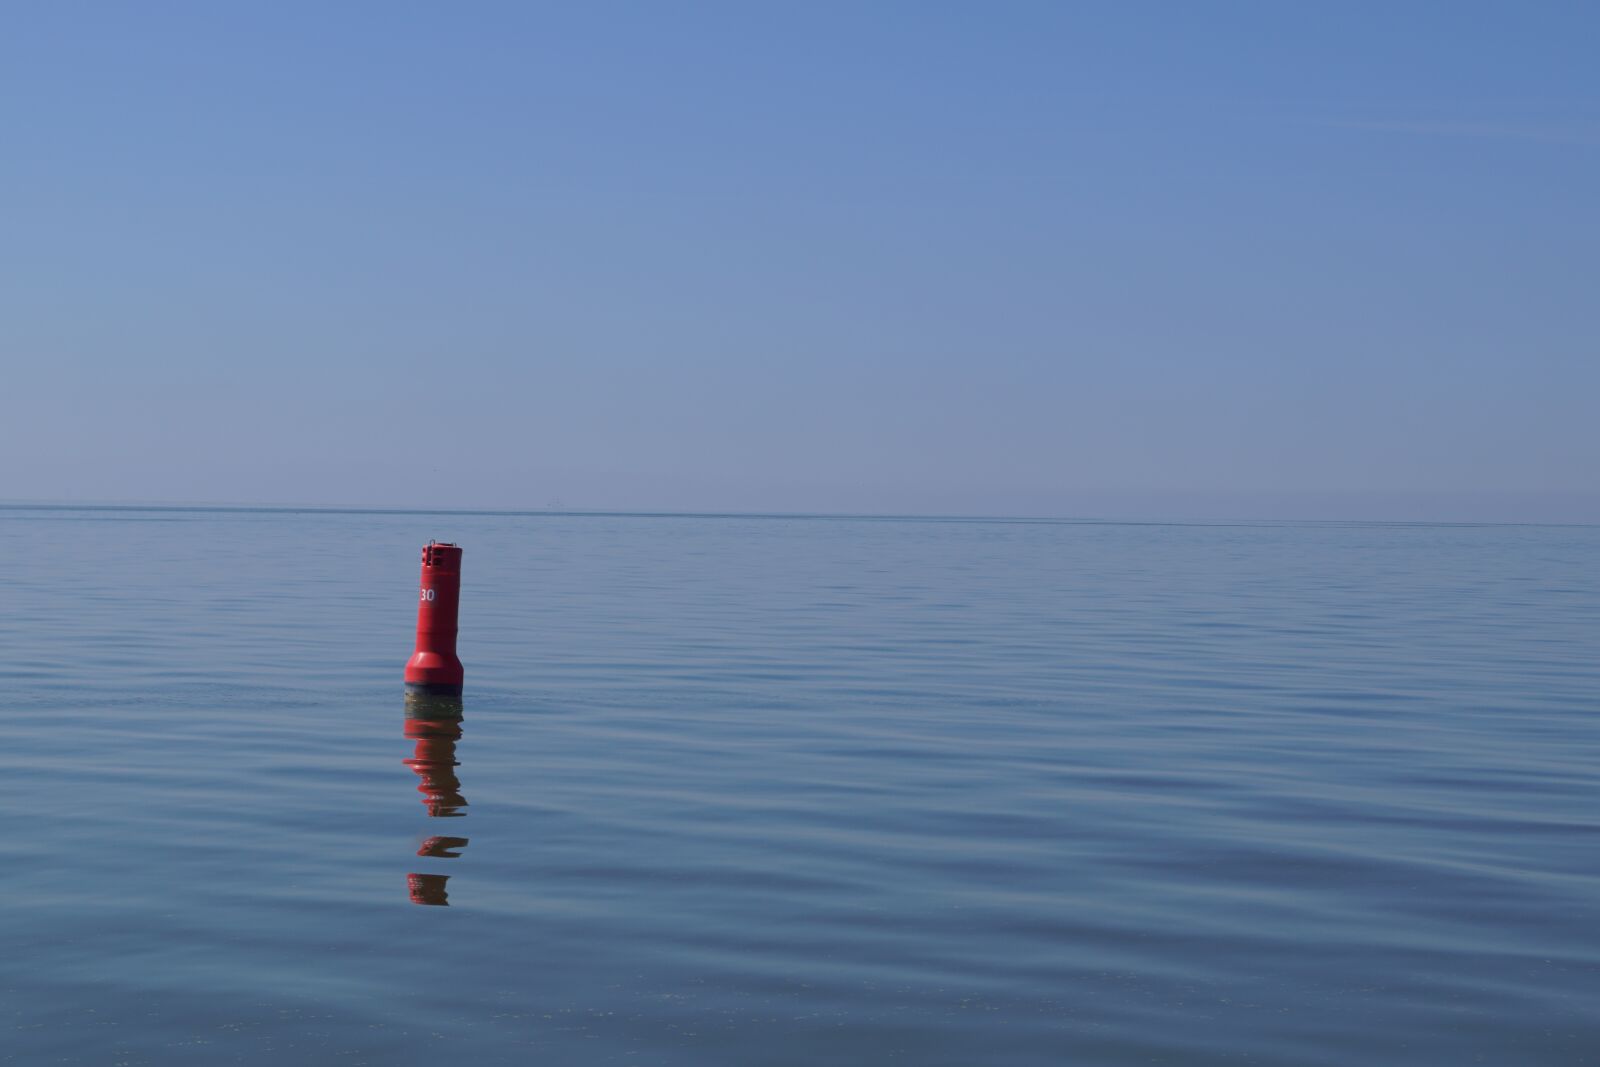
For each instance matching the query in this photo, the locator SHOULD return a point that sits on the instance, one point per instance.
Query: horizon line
(563, 512)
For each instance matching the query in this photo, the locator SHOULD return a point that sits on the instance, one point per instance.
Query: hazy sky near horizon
(959, 258)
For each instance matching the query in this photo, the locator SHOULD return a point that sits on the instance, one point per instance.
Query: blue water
(801, 791)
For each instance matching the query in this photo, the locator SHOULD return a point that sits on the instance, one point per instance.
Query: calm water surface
(801, 791)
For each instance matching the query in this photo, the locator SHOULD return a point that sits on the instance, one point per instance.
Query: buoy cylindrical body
(434, 669)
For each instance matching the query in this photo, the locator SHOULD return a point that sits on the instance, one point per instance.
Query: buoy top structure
(434, 670)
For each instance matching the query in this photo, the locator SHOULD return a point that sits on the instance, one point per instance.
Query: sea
(799, 790)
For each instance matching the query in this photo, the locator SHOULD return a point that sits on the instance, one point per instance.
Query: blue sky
(1054, 259)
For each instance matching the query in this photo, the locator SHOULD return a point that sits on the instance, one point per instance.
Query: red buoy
(434, 669)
